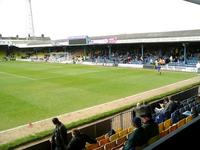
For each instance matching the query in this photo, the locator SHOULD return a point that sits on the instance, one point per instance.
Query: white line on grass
(15, 75)
(65, 75)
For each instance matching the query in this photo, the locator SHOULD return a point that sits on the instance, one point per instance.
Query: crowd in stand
(149, 57)
(172, 56)
(146, 124)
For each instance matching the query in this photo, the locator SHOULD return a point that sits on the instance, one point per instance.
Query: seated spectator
(150, 127)
(137, 108)
(162, 106)
(138, 105)
(145, 108)
(170, 107)
(161, 117)
(194, 112)
(79, 140)
(137, 137)
(159, 110)
(111, 132)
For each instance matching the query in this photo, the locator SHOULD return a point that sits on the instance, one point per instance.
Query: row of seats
(117, 141)
(167, 126)
(106, 144)
(114, 141)
(177, 115)
(187, 101)
(177, 119)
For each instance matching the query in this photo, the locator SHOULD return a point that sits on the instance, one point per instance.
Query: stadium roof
(26, 42)
(152, 37)
(194, 1)
(186, 33)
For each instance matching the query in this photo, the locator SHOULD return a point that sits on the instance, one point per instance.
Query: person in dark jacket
(59, 138)
(137, 137)
(171, 106)
(150, 127)
(79, 140)
(133, 114)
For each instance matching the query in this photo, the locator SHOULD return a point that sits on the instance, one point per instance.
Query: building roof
(194, 1)
(186, 33)
(151, 37)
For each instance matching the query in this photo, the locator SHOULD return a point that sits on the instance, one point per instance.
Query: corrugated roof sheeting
(194, 1)
(186, 33)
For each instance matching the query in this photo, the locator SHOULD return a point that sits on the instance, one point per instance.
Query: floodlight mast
(30, 32)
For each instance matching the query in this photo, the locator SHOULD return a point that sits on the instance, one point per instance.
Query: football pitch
(34, 91)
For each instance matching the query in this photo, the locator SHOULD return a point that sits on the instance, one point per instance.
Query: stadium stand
(177, 50)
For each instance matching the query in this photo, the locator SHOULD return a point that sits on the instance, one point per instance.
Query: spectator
(194, 112)
(150, 127)
(79, 140)
(159, 110)
(133, 114)
(59, 138)
(145, 108)
(111, 132)
(170, 107)
(137, 137)
(162, 106)
(138, 105)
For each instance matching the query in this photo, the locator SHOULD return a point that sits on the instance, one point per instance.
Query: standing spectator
(137, 137)
(59, 138)
(79, 140)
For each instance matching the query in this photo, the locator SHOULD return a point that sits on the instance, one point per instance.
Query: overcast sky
(63, 18)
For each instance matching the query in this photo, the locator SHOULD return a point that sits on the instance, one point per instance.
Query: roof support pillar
(142, 51)
(84, 51)
(185, 52)
(36, 51)
(109, 51)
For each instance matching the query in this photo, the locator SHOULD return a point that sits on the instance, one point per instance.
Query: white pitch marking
(15, 75)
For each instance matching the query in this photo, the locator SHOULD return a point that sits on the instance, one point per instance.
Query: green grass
(35, 91)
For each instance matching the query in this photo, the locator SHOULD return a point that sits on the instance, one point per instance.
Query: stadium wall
(180, 68)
